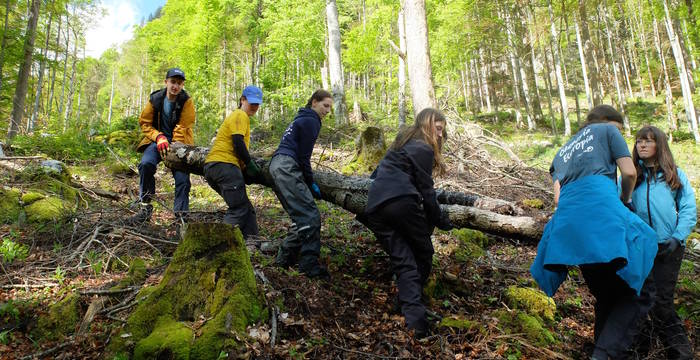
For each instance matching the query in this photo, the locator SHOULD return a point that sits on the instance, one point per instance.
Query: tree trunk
(65, 71)
(667, 81)
(24, 70)
(49, 104)
(40, 81)
(548, 80)
(589, 53)
(420, 73)
(584, 70)
(515, 72)
(401, 22)
(557, 69)
(4, 40)
(490, 215)
(484, 80)
(334, 63)
(71, 87)
(111, 97)
(528, 23)
(643, 43)
(685, 51)
(683, 75)
(620, 97)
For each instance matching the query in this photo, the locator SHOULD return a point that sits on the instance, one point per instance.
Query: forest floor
(350, 316)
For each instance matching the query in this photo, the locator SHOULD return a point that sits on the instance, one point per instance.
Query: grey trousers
(304, 237)
(227, 180)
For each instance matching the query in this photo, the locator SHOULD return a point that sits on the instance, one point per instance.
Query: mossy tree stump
(369, 150)
(207, 297)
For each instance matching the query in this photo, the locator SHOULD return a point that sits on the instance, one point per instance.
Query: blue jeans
(147, 184)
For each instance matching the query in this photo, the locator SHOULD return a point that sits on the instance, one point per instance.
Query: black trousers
(660, 287)
(227, 180)
(403, 231)
(618, 310)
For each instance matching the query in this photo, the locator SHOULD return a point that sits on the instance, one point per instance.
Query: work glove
(162, 144)
(315, 190)
(444, 222)
(630, 206)
(252, 169)
(671, 245)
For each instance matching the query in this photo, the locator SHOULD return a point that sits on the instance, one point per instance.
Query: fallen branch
(108, 291)
(50, 351)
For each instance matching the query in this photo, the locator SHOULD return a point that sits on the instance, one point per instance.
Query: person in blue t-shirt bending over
(591, 228)
(296, 189)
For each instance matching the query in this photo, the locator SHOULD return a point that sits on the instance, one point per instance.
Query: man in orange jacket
(169, 116)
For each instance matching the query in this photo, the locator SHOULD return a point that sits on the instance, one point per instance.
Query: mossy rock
(51, 178)
(118, 168)
(46, 210)
(534, 203)
(471, 244)
(532, 328)
(32, 196)
(9, 205)
(61, 319)
(210, 277)
(532, 301)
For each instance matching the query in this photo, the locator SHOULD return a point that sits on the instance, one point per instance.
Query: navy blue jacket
(407, 171)
(299, 139)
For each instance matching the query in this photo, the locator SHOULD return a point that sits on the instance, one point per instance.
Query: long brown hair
(664, 158)
(422, 129)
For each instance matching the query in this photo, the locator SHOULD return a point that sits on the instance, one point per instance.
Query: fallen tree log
(493, 216)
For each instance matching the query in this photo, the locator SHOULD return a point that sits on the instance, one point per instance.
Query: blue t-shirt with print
(166, 125)
(592, 151)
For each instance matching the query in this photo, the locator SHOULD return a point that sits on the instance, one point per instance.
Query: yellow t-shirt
(237, 122)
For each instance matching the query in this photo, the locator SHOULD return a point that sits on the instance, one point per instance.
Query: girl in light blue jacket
(665, 200)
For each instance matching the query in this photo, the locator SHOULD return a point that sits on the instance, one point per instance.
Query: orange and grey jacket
(150, 119)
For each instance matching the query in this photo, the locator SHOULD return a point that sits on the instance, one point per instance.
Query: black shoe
(318, 272)
(143, 215)
(286, 257)
(421, 333)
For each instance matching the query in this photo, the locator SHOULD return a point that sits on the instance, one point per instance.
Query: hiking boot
(286, 257)
(143, 215)
(318, 272)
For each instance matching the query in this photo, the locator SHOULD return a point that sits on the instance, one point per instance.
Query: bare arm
(556, 187)
(628, 177)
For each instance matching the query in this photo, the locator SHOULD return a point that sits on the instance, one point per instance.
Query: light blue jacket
(671, 213)
(592, 226)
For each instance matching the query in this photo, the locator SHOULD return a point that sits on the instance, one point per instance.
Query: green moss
(60, 320)
(9, 205)
(462, 324)
(136, 274)
(50, 181)
(518, 322)
(367, 156)
(532, 301)
(471, 244)
(31, 197)
(118, 168)
(46, 210)
(209, 276)
(169, 340)
(122, 137)
(533, 203)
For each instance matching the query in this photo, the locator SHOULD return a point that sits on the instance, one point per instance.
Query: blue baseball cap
(253, 94)
(175, 72)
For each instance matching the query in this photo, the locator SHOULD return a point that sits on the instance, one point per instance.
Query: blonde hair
(422, 129)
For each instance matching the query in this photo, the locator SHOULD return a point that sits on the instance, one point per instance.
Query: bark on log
(493, 216)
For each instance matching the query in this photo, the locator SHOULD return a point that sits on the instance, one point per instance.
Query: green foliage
(9, 312)
(9, 205)
(59, 275)
(65, 147)
(12, 251)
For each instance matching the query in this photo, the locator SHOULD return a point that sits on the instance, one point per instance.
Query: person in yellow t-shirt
(229, 157)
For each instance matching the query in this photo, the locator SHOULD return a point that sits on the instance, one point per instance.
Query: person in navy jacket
(593, 229)
(402, 210)
(296, 189)
(664, 199)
